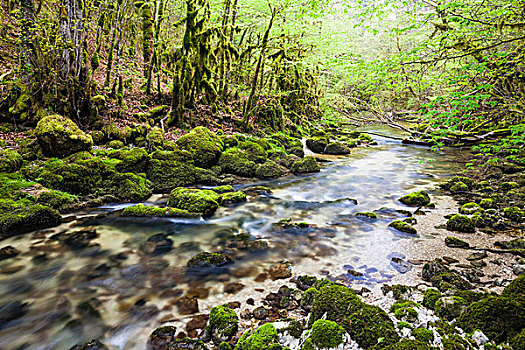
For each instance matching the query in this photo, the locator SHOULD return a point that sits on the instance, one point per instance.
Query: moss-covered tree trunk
(27, 21)
(147, 42)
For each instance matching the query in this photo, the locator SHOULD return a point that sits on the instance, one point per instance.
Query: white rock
(480, 338)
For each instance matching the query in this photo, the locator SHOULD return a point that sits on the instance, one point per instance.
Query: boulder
(205, 146)
(336, 148)
(195, 200)
(416, 199)
(306, 165)
(59, 137)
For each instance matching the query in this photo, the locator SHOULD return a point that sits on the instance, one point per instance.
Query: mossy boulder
(167, 170)
(487, 203)
(141, 210)
(131, 160)
(233, 197)
(195, 200)
(155, 139)
(128, 187)
(270, 169)
(462, 183)
(59, 137)
(423, 335)
(336, 148)
(500, 318)
(265, 337)
(514, 214)
(306, 165)
(10, 161)
(369, 326)
(516, 289)
(236, 161)
(507, 186)
(405, 311)
(223, 324)
(206, 259)
(337, 302)
(58, 200)
(443, 278)
(403, 227)
(308, 298)
(518, 342)
(416, 199)
(449, 308)
(253, 151)
(408, 344)
(317, 144)
(460, 223)
(205, 146)
(326, 334)
(116, 144)
(18, 219)
(368, 215)
(430, 297)
(223, 189)
(471, 208)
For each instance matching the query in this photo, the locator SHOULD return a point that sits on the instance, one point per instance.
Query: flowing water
(120, 289)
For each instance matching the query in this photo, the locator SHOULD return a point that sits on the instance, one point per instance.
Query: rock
(187, 344)
(514, 214)
(477, 256)
(237, 162)
(233, 198)
(257, 190)
(400, 265)
(304, 282)
(194, 200)
(317, 144)
(336, 148)
(280, 271)
(141, 210)
(233, 287)
(403, 227)
(471, 208)
(161, 337)
(430, 297)
(205, 146)
(454, 242)
(458, 183)
(260, 313)
(265, 337)
(59, 137)
(326, 334)
(80, 239)
(11, 311)
(15, 220)
(416, 199)
(223, 324)
(10, 161)
(91, 345)
(308, 299)
(187, 305)
(443, 278)
(8, 252)
(270, 169)
(306, 165)
(157, 244)
(460, 223)
(479, 338)
(368, 215)
(205, 263)
(450, 307)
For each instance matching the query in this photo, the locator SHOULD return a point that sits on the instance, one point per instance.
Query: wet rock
(306, 165)
(460, 223)
(253, 190)
(91, 345)
(187, 305)
(477, 256)
(80, 239)
(89, 307)
(194, 200)
(197, 322)
(233, 304)
(416, 199)
(403, 227)
(161, 337)
(450, 260)
(336, 148)
(157, 244)
(443, 278)
(187, 344)
(280, 270)
(450, 307)
(453, 242)
(223, 324)
(205, 263)
(8, 252)
(233, 198)
(317, 144)
(11, 311)
(304, 282)
(233, 287)
(205, 146)
(400, 265)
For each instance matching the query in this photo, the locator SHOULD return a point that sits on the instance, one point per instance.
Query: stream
(120, 289)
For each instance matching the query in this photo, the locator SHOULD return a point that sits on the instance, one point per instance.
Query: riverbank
(332, 225)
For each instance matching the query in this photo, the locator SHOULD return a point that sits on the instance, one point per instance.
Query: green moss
(194, 200)
(263, 338)
(132, 160)
(459, 187)
(308, 298)
(499, 318)
(233, 197)
(295, 329)
(403, 324)
(187, 343)
(487, 203)
(18, 218)
(235, 161)
(270, 169)
(58, 200)
(430, 297)
(403, 227)
(116, 144)
(460, 223)
(423, 335)
(462, 180)
(223, 189)
(471, 208)
(365, 137)
(507, 186)
(455, 342)
(514, 214)
(308, 345)
(516, 289)
(206, 259)
(407, 344)
(253, 151)
(165, 175)
(158, 112)
(337, 302)
(205, 146)
(370, 326)
(155, 139)
(370, 215)
(336, 148)
(128, 187)
(223, 323)
(326, 334)
(317, 144)
(518, 342)
(59, 136)
(416, 199)
(306, 165)
(141, 210)
(10, 161)
(404, 311)
(450, 307)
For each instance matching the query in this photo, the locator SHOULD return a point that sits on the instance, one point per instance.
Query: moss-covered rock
(187, 344)
(141, 210)
(403, 227)
(165, 175)
(59, 137)
(206, 259)
(58, 200)
(450, 307)
(499, 318)
(155, 139)
(326, 334)
(127, 187)
(516, 289)
(368, 215)
(195, 200)
(205, 146)
(464, 181)
(471, 208)
(514, 214)
(507, 186)
(223, 189)
(265, 337)
(270, 169)
(430, 297)
(235, 161)
(407, 344)
(487, 203)
(10, 161)
(423, 335)
(253, 151)
(161, 337)
(404, 311)
(336, 148)
(18, 219)
(131, 160)
(317, 144)
(454, 242)
(443, 278)
(460, 223)
(337, 302)
(233, 197)
(416, 199)
(223, 324)
(306, 165)
(116, 144)
(518, 342)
